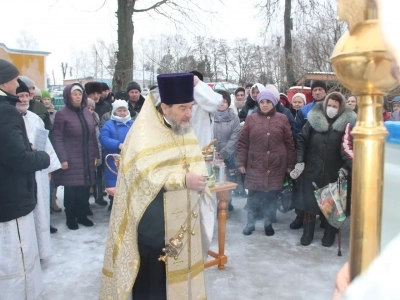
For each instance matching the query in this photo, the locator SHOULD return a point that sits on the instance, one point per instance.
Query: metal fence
(58, 102)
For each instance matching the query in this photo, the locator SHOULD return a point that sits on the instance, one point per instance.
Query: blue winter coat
(110, 139)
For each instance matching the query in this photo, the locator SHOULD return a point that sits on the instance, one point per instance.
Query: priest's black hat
(198, 74)
(22, 88)
(176, 88)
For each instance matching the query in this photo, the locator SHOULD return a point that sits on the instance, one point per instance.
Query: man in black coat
(93, 91)
(18, 164)
(106, 94)
(136, 100)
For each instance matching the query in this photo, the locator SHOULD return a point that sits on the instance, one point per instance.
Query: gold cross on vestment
(174, 184)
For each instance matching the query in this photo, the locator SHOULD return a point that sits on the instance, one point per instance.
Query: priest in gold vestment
(154, 245)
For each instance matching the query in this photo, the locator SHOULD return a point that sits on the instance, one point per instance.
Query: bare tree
(64, 68)
(242, 63)
(27, 41)
(178, 11)
(213, 50)
(224, 53)
(318, 50)
(272, 10)
(82, 64)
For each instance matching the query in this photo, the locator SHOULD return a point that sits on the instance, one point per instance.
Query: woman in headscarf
(251, 101)
(75, 142)
(239, 98)
(298, 101)
(265, 153)
(319, 159)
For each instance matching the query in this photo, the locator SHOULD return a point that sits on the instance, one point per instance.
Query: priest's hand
(64, 165)
(342, 281)
(242, 169)
(195, 182)
(195, 80)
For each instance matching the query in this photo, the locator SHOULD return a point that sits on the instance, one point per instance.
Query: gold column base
(366, 211)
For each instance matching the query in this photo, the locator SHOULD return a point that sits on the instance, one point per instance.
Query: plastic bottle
(391, 185)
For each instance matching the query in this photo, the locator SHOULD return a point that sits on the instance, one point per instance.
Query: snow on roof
(138, 75)
(299, 87)
(24, 51)
(322, 73)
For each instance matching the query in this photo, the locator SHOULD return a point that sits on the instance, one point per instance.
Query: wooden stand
(222, 191)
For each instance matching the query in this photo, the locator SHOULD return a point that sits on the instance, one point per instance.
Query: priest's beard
(22, 108)
(179, 129)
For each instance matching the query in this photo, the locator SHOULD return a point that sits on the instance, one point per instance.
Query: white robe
(206, 104)
(20, 271)
(381, 279)
(42, 210)
(202, 121)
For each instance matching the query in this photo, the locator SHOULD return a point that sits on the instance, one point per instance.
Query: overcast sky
(59, 26)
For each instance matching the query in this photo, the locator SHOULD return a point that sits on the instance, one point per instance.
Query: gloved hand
(298, 169)
(343, 174)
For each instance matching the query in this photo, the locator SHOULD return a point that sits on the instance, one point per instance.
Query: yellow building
(29, 63)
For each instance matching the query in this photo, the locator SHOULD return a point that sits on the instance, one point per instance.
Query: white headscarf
(260, 88)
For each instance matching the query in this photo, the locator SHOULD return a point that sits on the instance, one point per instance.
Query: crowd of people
(262, 136)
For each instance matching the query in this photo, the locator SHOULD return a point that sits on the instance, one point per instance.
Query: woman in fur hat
(319, 159)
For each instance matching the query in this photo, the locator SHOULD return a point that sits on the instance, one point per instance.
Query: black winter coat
(18, 163)
(319, 147)
(280, 108)
(294, 113)
(137, 108)
(109, 99)
(251, 106)
(102, 107)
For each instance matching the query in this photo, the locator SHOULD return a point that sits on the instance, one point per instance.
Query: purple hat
(267, 95)
(176, 88)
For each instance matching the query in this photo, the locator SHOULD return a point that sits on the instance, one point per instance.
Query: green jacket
(39, 109)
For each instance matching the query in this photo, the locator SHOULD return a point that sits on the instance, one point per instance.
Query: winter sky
(62, 26)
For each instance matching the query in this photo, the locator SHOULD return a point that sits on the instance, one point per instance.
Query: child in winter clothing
(112, 136)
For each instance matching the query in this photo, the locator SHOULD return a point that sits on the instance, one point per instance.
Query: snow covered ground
(259, 267)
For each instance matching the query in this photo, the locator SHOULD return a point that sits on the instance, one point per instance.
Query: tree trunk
(226, 71)
(288, 45)
(124, 67)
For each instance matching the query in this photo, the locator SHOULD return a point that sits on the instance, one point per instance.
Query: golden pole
(362, 64)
